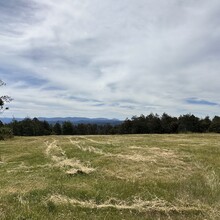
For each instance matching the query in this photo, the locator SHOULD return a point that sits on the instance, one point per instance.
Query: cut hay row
(94, 141)
(156, 205)
(58, 156)
(88, 148)
(27, 169)
(155, 155)
(135, 157)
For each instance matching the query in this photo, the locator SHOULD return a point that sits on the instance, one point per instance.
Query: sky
(108, 58)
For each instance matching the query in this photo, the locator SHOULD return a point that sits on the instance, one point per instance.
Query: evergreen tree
(188, 123)
(67, 128)
(57, 130)
(215, 125)
(204, 124)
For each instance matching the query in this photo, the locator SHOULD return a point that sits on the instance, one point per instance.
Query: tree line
(167, 124)
(150, 124)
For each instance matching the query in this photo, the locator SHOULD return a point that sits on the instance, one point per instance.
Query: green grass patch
(111, 177)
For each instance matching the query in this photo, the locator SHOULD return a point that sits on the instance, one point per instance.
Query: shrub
(5, 133)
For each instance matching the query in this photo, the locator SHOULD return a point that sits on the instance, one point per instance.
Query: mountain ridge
(74, 120)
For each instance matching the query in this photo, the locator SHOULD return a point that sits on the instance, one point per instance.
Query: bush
(5, 133)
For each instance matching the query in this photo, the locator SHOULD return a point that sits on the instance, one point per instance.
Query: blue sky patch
(196, 101)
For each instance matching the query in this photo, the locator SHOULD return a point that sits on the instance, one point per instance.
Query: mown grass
(111, 177)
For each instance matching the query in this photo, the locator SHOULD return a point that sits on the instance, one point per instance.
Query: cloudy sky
(108, 58)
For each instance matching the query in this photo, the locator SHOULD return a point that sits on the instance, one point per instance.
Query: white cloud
(108, 58)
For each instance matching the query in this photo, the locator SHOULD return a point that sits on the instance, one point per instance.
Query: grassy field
(111, 177)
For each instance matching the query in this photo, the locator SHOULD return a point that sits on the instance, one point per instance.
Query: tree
(204, 124)
(82, 129)
(153, 124)
(168, 124)
(215, 125)
(188, 123)
(28, 128)
(57, 129)
(126, 127)
(166, 121)
(16, 128)
(67, 128)
(4, 99)
(46, 128)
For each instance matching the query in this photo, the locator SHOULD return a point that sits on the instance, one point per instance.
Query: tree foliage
(215, 125)
(57, 129)
(5, 132)
(4, 99)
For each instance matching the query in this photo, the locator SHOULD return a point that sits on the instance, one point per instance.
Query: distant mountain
(82, 120)
(74, 120)
(8, 120)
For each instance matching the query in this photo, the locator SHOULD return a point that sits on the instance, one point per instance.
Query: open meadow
(111, 177)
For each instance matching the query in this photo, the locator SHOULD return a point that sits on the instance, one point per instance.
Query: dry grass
(58, 156)
(155, 205)
(164, 161)
(153, 153)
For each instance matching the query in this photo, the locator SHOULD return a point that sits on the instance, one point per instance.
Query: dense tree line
(167, 124)
(35, 127)
(150, 124)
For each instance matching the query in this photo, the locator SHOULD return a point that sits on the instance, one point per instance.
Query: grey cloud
(15, 15)
(139, 55)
